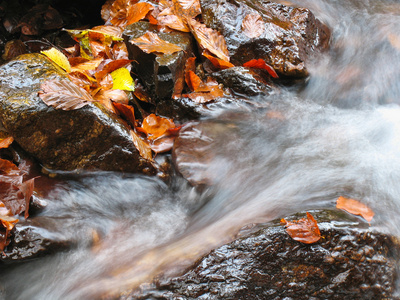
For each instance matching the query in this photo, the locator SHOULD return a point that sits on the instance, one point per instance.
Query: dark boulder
(288, 37)
(88, 138)
(350, 261)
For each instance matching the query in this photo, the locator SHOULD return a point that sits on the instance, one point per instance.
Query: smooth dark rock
(350, 261)
(88, 138)
(159, 72)
(290, 36)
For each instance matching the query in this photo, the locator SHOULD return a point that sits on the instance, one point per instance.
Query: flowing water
(340, 135)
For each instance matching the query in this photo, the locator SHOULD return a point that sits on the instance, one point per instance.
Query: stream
(339, 135)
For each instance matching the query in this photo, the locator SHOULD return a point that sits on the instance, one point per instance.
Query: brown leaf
(168, 18)
(141, 94)
(88, 65)
(209, 39)
(304, 230)
(127, 112)
(355, 207)
(218, 63)
(108, 30)
(110, 67)
(64, 94)
(187, 9)
(142, 146)
(150, 42)
(206, 92)
(261, 64)
(27, 190)
(137, 12)
(253, 26)
(119, 51)
(192, 80)
(163, 144)
(8, 168)
(155, 126)
(5, 142)
(114, 95)
(115, 13)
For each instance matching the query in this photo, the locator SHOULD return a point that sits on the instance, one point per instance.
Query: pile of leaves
(15, 194)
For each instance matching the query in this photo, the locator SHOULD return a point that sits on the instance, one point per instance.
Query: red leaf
(261, 64)
(127, 112)
(355, 207)
(218, 63)
(253, 26)
(304, 230)
(150, 42)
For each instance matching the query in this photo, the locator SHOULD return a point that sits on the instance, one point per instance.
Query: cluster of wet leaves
(306, 230)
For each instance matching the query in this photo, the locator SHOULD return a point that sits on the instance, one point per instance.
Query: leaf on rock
(187, 9)
(113, 95)
(168, 18)
(109, 31)
(122, 80)
(27, 190)
(218, 63)
(5, 142)
(206, 92)
(58, 57)
(261, 64)
(64, 94)
(142, 146)
(304, 230)
(253, 26)
(155, 126)
(88, 65)
(192, 80)
(151, 42)
(137, 12)
(209, 39)
(111, 66)
(355, 207)
(127, 112)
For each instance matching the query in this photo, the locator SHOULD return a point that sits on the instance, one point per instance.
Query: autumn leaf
(261, 64)
(155, 126)
(64, 94)
(108, 31)
(88, 65)
(127, 112)
(122, 80)
(142, 146)
(137, 12)
(8, 168)
(151, 42)
(110, 67)
(168, 18)
(58, 57)
(192, 80)
(355, 207)
(304, 230)
(5, 142)
(187, 9)
(27, 190)
(209, 39)
(206, 92)
(253, 26)
(218, 63)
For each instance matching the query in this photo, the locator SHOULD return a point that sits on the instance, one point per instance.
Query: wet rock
(33, 238)
(162, 74)
(86, 138)
(286, 40)
(349, 262)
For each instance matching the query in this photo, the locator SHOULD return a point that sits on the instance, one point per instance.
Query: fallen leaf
(355, 207)
(110, 67)
(88, 65)
(218, 63)
(64, 94)
(253, 26)
(155, 126)
(118, 96)
(163, 144)
(143, 147)
(27, 190)
(141, 94)
(168, 18)
(261, 64)
(209, 39)
(304, 230)
(151, 42)
(137, 12)
(127, 112)
(206, 92)
(187, 9)
(58, 57)
(192, 80)
(8, 168)
(114, 32)
(5, 142)
(122, 80)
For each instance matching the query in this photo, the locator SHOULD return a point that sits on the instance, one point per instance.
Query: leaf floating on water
(261, 64)
(64, 94)
(210, 39)
(122, 80)
(151, 42)
(253, 26)
(155, 126)
(304, 230)
(59, 58)
(355, 207)
(5, 142)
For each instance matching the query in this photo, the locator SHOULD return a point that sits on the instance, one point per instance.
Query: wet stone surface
(87, 138)
(350, 261)
(288, 37)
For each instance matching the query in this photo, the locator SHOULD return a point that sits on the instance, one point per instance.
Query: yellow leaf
(122, 80)
(58, 57)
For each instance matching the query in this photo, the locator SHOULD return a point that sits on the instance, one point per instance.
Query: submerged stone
(88, 138)
(287, 36)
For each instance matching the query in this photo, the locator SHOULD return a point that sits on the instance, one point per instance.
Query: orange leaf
(150, 42)
(88, 65)
(209, 39)
(206, 92)
(126, 111)
(261, 64)
(137, 12)
(304, 230)
(110, 67)
(218, 63)
(187, 8)
(142, 146)
(192, 80)
(355, 207)
(253, 26)
(168, 18)
(8, 168)
(5, 142)
(155, 126)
